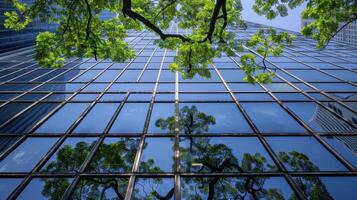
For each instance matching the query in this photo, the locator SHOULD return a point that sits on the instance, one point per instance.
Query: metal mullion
(93, 103)
(317, 69)
(17, 70)
(331, 55)
(142, 140)
(84, 165)
(39, 85)
(23, 111)
(17, 64)
(262, 139)
(18, 190)
(305, 93)
(84, 71)
(146, 64)
(316, 136)
(177, 181)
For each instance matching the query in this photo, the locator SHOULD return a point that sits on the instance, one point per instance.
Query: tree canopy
(210, 29)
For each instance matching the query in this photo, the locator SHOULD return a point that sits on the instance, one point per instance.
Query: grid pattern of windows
(136, 130)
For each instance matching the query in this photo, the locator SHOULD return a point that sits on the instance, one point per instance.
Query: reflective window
(62, 119)
(338, 188)
(97, 119)
(271, 118)
(205, 97)
(28, 119)
(196, 118)
(101, 188)
(277, 87)
(7, 186)
(85, 97)
(114, 155)
(131, 113)
(224, 154)
(318, 118)
(189, 87)
(9, 110)
(236, 188)
(25, 156)
(70, 155)
(344, 145)
(112, 97)
(162, 114)
(239, 87)
(293, 153)
(150, 162)
(45, 188)
(154, 188)
(253, 97)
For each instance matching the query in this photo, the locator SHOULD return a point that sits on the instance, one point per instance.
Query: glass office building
(136, 130)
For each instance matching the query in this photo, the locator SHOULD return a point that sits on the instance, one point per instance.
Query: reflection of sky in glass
(7, 185)
(227, 116)
(238, 146)
(35, 189)
(315, 152)
(344, 145)
(162, 147)
(271, 118)
(25, 156)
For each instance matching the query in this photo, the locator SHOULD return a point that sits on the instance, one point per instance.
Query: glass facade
(136, 130)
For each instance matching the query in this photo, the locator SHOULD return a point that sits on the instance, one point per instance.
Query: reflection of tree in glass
(203, 156)
(153, 188)
(117, 156)
(55, 187)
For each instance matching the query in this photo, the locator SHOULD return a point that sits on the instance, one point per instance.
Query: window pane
(25, 156)
(152, 188)
(70, 155)
(212, 118)
(9, 110)
(45, 188)
(63, 118)
(7, 186)
(131, 113)
(28, 119)
(271, 118)
(328, 187)
(97, 119)
(114, 155)
(161, 113)
(101, 188)
(236, 188)
(344, 145)
(318, 118)
(150, 162)
(224, 154)
(293, 153)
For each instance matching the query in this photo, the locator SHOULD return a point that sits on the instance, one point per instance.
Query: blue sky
(290, 22)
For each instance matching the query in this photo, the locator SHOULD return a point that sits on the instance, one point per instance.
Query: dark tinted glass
(344, 145)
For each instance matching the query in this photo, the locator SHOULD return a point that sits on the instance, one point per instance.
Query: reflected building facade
(136, 130)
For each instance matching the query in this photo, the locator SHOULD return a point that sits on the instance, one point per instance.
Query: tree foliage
(210, 27)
